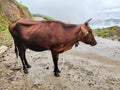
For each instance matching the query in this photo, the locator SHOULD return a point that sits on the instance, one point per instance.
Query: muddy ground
(82, 68)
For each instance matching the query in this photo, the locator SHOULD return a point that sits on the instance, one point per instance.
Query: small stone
(3, 49)
(90, 84)
(16, 68)
(69, 74)
(3, 56)
(1, 70)
(11, 78)
(89, 73)
(47, 67)
(7, 65)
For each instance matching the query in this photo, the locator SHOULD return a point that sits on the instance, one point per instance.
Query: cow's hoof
(59, 71)
(26, 71)
(56, 74)
(28, 66)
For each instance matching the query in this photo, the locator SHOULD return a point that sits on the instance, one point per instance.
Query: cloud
(70, 10)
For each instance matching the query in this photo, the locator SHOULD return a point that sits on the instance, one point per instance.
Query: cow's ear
(87, 22)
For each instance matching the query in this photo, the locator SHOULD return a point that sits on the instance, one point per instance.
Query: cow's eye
(90, 31)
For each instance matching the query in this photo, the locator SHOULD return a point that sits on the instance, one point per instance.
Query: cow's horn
(88, 21)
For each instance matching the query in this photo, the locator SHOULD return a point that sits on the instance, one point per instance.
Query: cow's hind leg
(16, 52)
(55, 56)
(21, 53)
(25, 60)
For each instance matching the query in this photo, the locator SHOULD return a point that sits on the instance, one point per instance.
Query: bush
(110, 32)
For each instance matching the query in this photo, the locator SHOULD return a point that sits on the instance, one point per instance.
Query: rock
(89, 73)
(47, 67)
(1, 70)
(1, 59)
(90, 84)
(16, 68)
(7, 65)
(3, 49)
(9, 73)
(11, 78)
(1, 85)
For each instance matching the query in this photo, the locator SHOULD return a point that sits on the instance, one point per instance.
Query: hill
(42, 17)
(10, 10)
(110, 32)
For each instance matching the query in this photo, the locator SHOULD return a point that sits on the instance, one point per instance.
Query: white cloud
(70, 10)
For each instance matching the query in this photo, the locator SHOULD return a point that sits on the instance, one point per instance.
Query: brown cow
(55, 36)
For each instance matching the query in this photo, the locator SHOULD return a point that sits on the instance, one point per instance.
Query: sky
(73, 11)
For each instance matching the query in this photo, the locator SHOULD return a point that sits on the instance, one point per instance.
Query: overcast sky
(74, 11)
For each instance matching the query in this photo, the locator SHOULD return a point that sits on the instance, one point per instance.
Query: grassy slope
(4, 34)
(5, 37)
(20, 5)
(110, 32)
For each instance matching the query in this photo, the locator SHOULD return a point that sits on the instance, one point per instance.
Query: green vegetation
(19, 4)
(43, 16)
(47, 18)
(5, 37)
(110, 32)
(4, 34)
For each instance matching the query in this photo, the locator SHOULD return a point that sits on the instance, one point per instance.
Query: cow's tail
(16, 49)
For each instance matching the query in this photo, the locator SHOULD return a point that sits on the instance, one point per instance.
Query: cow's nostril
(94, 43)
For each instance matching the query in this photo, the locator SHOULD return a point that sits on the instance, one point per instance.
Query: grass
(5, 36)
(110, 32)
(19, 4)
(43, 16)
(47, 18)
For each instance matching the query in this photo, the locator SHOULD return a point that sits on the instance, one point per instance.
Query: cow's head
(86, 34)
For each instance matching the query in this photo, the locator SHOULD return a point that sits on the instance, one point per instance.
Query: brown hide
(48, 35)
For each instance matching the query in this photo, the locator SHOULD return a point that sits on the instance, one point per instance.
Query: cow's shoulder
(69, 26)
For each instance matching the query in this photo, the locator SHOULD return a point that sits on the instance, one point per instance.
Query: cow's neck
(75, 38)
(69, 40)
(79, 36)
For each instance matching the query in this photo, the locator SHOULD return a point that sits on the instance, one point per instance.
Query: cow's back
(41, 34)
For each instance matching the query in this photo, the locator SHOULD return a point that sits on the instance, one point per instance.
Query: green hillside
(10, 10)
(110, 32)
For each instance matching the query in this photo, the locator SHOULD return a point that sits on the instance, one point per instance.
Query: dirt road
(83, 68)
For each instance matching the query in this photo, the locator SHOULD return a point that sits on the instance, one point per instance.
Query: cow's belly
(35, 47)
(62, 48)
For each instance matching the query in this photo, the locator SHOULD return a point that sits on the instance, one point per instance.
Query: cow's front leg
(55, 56)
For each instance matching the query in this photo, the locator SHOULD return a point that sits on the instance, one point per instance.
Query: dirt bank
(83, 68)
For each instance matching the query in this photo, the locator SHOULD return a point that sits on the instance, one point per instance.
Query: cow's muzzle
(93, 43)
